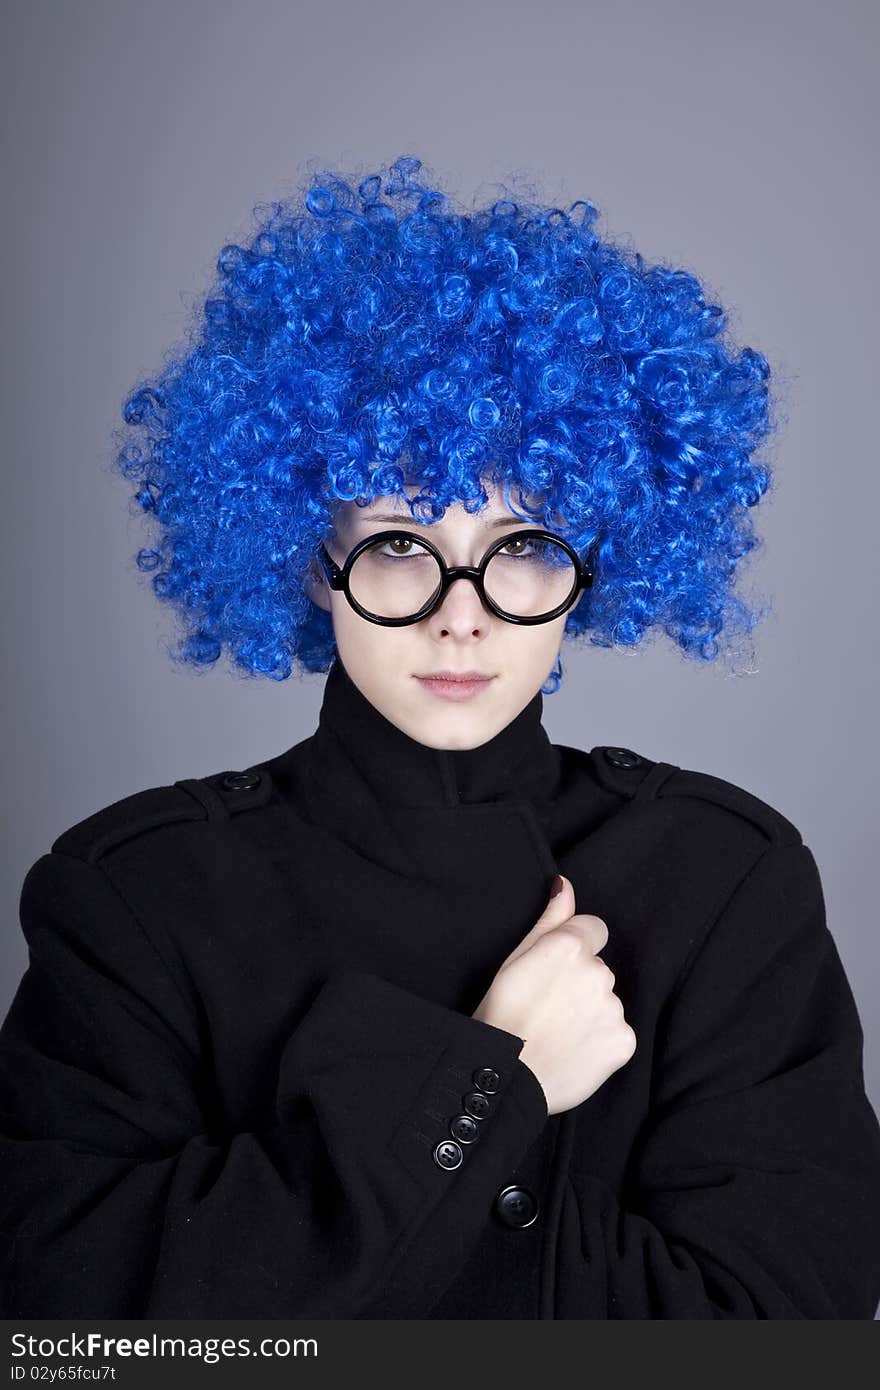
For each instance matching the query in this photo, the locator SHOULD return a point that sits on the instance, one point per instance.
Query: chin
(458, 731)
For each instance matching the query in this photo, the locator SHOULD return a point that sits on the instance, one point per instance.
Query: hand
(555, 992)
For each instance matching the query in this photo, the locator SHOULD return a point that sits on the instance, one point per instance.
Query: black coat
(240, 1077)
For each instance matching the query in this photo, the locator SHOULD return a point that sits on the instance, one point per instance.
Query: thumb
(560, 906)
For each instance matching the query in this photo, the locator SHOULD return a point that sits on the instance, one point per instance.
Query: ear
(315, 585)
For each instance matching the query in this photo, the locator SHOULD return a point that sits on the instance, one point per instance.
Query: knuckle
(601, 929)
(569, 935)
(591, 920)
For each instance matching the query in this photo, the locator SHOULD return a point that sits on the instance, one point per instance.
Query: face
(461, 635)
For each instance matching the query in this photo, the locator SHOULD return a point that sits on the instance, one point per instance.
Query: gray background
(733, 140)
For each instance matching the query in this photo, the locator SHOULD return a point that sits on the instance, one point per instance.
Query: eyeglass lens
(526, 578)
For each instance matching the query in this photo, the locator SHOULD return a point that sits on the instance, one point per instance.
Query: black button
(622, 757)
(487, 1079)
(241, 781)
(476, 1104)
(448, 1154)
(516, 1206)
(464, 1129)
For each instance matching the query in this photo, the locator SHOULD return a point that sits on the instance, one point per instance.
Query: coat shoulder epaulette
(213, 798)
(634, 775)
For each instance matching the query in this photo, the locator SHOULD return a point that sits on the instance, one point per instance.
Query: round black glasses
(397, 587)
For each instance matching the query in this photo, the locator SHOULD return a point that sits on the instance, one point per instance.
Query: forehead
(394, 510)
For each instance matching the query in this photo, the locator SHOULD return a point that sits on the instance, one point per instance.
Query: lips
(456, 676)
(460, 686)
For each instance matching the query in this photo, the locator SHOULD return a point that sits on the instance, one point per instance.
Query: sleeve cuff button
(487, 1079)
(463, 1128)
(476, 1104)
(448, 1154)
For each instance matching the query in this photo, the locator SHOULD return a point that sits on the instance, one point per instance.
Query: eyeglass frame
(338, 578)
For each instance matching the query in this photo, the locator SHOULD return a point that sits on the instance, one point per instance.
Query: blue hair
(370, 336)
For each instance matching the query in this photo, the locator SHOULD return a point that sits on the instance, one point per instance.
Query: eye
(400, 541)
(516, 540)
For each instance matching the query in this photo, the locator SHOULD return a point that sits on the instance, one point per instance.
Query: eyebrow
(410, 520)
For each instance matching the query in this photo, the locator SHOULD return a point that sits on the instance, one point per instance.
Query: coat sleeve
(120, 1195)
(754, 1186)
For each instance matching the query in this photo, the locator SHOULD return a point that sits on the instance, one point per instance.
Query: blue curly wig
(371, 337)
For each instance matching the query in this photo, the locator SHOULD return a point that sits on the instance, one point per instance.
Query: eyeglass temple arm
(330, 567)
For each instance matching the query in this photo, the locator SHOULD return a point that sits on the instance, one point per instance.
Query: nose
(462, 609)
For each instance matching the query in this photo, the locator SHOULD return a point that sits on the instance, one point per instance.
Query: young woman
(426, 1016)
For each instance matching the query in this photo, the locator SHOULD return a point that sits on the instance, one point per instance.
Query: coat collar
(354, 744)
(449, 853)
